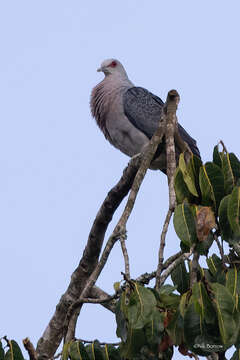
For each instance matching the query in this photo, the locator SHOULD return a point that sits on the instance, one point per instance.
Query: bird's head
(112, 66)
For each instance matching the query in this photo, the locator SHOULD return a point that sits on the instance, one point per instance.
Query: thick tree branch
(170, 109)
(53, 334)
(120, 228)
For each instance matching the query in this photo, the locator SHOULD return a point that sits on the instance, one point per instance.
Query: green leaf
(235, 165)
(233, 210)
(203, 247)
(180, 278)
(229, 181)
(142, 303)
(233, 284)
(1, 351)
(211, 183)
(225, 308)
(14, 352)
(217, 159)
(214, 264)
(226, 230)
(184, 224)
(135, 341)
(202, 303)
(111, 352)
(155, 328)
(192, 324)
(94, 351)
(175, 329)
(120, 319)
(184, 302)
(167, 289)
(116, 286)
(188, 175)
(77, 351)
(180, 187)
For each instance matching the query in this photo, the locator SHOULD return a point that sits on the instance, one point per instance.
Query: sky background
(56, 166)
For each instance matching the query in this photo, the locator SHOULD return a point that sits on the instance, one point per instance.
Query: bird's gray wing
(143, 109)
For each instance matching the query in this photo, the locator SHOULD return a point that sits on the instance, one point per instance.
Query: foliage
(198, 316)
(12, 350)
(203, 316)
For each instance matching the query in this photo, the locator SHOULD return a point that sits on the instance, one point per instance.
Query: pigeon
(128, 115)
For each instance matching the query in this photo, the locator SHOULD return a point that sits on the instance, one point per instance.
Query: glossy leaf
(94, 351)
(225, 308)
(180, 278)
(1, 351)
(211, 183)
(203, 303)
(135, 340)
(184, 224)
(175, 328)
(155, 328)
(203, 247)
(184, 302)
(235, 165)
(233, 210)
(14, 352)
(111, 352)
(121, 319)
(180, 187)
(226, 230)
(217, 158)
(233, 284)
(142, 303)
(188, 175)
(214, 264)
(229, 180)
(192, 324)
(77, 351)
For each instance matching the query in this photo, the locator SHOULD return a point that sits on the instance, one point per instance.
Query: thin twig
(171, 267)
(162, 245)
(125, 256)
(223, 145)
(100, 343)
(100, 301)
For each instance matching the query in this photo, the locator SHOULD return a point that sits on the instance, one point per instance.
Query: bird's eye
(113, 64)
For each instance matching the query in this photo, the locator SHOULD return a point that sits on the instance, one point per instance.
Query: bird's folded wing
(143, 109)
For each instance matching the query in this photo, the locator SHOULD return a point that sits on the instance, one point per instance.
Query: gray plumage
(129, 115)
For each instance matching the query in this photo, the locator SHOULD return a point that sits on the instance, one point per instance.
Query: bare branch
(125, 256)
(174, 265)
(52, 336)
(170, 109)
(162, 245)
(30, 349)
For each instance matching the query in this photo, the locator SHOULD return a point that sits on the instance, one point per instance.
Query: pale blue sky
(56, 166)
